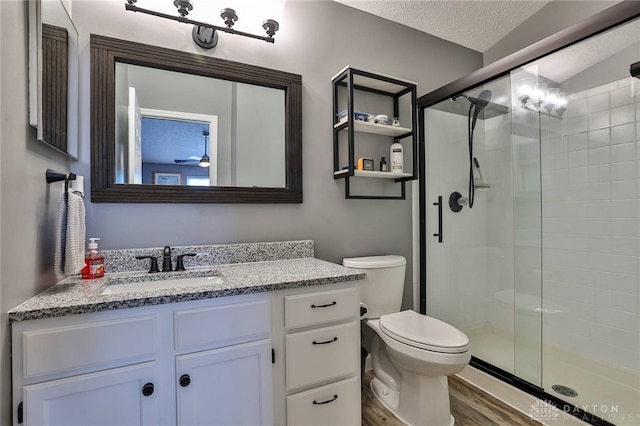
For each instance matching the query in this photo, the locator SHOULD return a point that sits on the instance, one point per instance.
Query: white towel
(70, 236)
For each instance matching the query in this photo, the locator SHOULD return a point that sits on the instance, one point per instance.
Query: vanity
(253, 334)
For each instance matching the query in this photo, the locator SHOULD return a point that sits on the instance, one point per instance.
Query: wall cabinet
(350, 141)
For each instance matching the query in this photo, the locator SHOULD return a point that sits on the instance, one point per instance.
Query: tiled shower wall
(591, 226)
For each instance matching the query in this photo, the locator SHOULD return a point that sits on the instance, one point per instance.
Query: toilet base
(390, 399)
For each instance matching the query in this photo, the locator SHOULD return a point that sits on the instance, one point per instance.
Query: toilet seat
(421, 331)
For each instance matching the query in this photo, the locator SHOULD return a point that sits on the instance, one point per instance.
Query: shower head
(478, 104)
(481, 101)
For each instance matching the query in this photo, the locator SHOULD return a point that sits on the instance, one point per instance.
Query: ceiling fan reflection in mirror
(200, 161)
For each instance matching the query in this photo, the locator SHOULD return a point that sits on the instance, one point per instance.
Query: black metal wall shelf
(353, 80)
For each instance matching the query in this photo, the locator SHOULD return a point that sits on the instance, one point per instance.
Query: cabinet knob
(147, 389)
(185, 380)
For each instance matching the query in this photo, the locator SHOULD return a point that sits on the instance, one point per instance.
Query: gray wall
(555, 16)
(27, 203)
(317, 39)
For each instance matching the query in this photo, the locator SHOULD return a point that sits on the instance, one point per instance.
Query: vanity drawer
(322, 355)
(93, 344)
(222, 325)
(303, 310)
(334, 404)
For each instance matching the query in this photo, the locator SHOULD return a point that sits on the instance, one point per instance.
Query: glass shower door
(543, 272)
(470, 274)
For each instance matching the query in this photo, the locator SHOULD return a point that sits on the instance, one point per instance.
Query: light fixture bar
(133, 8)
(540, 111)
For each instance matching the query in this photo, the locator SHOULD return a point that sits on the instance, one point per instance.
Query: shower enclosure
(530, 201)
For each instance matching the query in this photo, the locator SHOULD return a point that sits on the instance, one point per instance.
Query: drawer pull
(325, 306)
(327, 401)
(326, 341)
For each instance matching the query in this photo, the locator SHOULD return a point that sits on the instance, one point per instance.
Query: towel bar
(53, 176)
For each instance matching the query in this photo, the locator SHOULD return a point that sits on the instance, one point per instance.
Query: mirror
(161, 116)
(53, 75)
(151, 108)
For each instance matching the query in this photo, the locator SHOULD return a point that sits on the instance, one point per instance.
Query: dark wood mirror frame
(106, 51)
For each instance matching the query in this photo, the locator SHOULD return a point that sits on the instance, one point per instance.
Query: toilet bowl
(412, 354)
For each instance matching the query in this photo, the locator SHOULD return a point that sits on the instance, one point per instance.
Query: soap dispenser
(93, 261)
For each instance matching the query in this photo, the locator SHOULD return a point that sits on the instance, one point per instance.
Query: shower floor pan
(608, 392)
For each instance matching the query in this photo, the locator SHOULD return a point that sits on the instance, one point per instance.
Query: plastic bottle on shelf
(395, 157)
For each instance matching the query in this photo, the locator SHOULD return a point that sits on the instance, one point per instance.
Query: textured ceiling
(477, 25)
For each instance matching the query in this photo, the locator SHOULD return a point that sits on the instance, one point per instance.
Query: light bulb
(525, 89)
(561, 103)
(539, 92)
(551, 98)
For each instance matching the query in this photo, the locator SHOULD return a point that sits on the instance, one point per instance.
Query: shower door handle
(439, 204)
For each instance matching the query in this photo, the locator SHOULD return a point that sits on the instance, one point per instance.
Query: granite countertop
(76, 296)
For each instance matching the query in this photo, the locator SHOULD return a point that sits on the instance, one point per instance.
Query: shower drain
(564, 390)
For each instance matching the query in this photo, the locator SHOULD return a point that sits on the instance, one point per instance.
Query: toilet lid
(424, 332)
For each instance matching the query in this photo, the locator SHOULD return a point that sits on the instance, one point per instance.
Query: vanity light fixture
(538, 98)
(206, 35)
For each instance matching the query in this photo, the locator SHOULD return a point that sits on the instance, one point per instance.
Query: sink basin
(160, 283)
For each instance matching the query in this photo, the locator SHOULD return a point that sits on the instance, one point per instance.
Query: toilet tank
(381, 291)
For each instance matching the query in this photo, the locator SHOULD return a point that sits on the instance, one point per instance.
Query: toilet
(411, 354)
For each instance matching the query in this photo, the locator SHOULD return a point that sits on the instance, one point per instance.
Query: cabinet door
(228, 386)
(105, 398)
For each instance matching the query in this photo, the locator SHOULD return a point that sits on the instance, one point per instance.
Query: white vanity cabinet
(322, 356)
(285, 357)
(201, 362)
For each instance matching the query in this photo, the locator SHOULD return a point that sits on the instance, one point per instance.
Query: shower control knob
(457, 201)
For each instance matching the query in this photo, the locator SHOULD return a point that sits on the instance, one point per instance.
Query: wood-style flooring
(470, 406)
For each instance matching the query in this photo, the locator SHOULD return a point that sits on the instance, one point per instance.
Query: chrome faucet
(166, 259)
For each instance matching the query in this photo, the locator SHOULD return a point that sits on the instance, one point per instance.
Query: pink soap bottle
(93, 261)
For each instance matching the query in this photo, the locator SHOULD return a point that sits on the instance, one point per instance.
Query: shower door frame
(609, 18)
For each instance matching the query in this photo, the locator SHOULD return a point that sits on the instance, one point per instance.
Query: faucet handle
(154, 263)
(179, 263)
